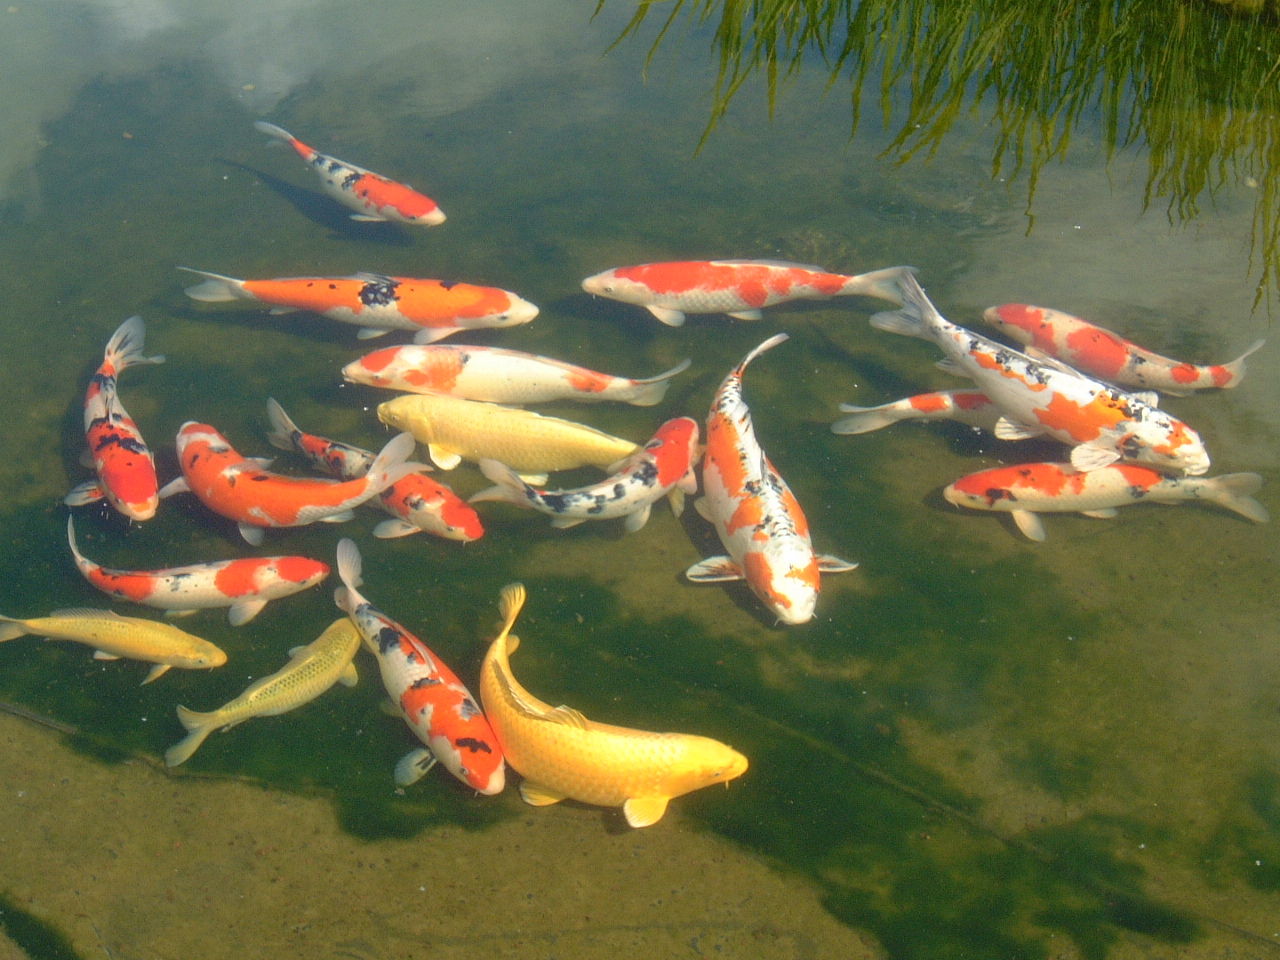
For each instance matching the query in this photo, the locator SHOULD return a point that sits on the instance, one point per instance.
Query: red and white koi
(1102, 423)
(122, 460)
(434, 703)
(1028, 489)
(663, 467)
(739, 288)
(970, 407)
(416, 502)
(755, 513)
(243, 490)
(373, 196)
(1098, 352)
(377, 304)
(244, 585)
(500, 376)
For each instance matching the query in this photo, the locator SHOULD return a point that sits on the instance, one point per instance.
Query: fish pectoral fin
(746, 315)
(1029, 523)
(566, 715)
(672, 318)
(539, 796)
(948, 365)
(1007, 429)
(703, 509)
(829, 564)
(176, 485)
(252, 535)
(1087, 457)
(244, 611)
(443, 457)
(84, 494)
(102, 654)
(637, 519)
(644, 811)
(86, 459)
(413, 766)
(390, 708)
(349, 677)
(676, 497)
(714, 570)
(395, 527)
(158, 670)
(1102, 513)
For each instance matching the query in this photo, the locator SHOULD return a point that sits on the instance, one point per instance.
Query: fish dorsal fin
(644, 811)
(1006, 429)
(368, 276)
(1087, 457)
(86, 613)
(566, 715)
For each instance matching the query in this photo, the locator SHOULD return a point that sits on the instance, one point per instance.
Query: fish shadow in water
(318, 208)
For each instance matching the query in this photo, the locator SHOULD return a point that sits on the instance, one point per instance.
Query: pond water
(981, 747)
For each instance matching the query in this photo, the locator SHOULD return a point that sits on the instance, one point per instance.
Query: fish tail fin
(124, 349)
(769, 344)
(509, 488)
(1235, 492)
(283, 430)
(510, 602)
(199, 725)
(883, 284)
(280, 133)
(865, 419)
(11, 629)
(216, 288)
(349, 566)
(1236, 366)
(392, 463)
(648, 393)
(917, 313)
(82, 562)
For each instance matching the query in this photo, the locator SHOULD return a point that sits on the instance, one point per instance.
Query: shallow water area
(981, 746)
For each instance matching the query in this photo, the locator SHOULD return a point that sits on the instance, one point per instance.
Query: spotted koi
(1098, 352)
(416, 502)
(377, 304)
(371, 195)
(1101, 423)
(759, 520)
(434, 703)
(739, 288)
(125, 467)
(970, 407)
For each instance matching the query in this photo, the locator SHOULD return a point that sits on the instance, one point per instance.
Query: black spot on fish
(646, 473)
(378, 293)
(349, 181)
(388, 637)
(423, 682)
(999, 493)
(468, 709)
(474, 745)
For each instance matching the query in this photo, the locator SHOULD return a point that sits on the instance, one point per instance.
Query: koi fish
(432, 700)
(244, 586)
(755, 513)
(113, 637)
(563, 755)
(372, 196)
(736, 287)
(312, 669)
(530, 443)
(1100, 353)
(499, 376)
(663, 467)
(1028, 489)
(1101, 423)
(243, 490)
(970, 407)
(120, 457)
(416, 502)
(377, 304)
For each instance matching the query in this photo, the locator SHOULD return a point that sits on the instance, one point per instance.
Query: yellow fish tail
(11, 629)
(200, 725)
(510, 603)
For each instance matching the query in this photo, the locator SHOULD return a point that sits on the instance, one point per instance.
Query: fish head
(303, 571)
(984, 490)
(705, 762)
(1165, 443)
(518, 311)
(785, 578)
(203, 655)
(674, 449)
(614, 285)
(1021, 321)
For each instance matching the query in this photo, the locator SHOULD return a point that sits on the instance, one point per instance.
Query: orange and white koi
(739, 288)
(113, 637)
(416, 502)
(1027, 489)
(499, 376)
(377, 304)
(663, 467)
(973, 408)
(243, 490)
(244, 585)
(122, 460)
(1102, 423)
(759, 520)
(563, 755)
(1100, 353)
(431, 698)
(371, 195)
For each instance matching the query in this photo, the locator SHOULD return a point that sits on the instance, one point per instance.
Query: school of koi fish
(1076, 383)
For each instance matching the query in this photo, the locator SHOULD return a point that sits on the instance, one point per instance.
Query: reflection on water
(982, 746)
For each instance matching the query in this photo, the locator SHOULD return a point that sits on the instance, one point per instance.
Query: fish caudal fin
(216, 288)
(910, 321)
(1236, 367)
(124, 349)
(200, 726)
(769, 344)
(648, 393)
(11, 629)
(349, 564)
(1235, 492)
(883, 284)
(510, 602)
(509, 488)
(280, 133)
(283, 430)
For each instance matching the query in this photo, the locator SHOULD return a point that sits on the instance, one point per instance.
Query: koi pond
(981, 746)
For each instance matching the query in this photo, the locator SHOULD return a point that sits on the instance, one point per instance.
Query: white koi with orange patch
(499, 376)
(371, 195)
(970, 407)
(242, 490)
(1101, 423)
(755, 513)
(1100, 353)
(739, 288)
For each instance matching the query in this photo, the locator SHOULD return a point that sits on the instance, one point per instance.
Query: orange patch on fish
(759, 575)
(1081, 422)
(1105, 353)
(989, 362)
(588, 381)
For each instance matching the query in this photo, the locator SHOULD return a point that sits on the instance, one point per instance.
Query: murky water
(981, 747)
